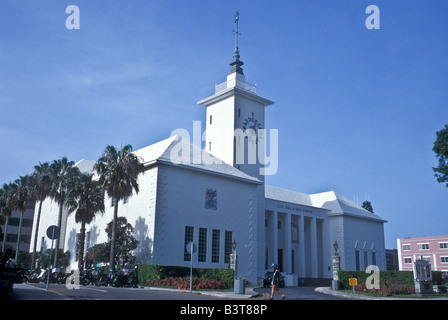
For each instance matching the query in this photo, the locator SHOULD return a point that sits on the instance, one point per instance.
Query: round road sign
(53, 232)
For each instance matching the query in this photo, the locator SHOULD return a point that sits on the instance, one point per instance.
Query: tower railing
(236, 83)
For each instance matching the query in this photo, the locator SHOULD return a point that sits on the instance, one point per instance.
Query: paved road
(61, 292)
(173, 304)
(295, 293)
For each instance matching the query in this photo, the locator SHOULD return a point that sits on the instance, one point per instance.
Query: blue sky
(356, 109)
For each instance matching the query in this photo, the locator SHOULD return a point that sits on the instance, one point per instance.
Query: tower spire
(236, 62)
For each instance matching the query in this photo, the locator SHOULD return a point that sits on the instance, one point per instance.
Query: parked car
(267, 280)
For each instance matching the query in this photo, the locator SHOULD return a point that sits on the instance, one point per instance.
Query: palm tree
(6, 196)
(22, 199)
(118, 172)
(41, 185)
(85, 197)
(61, 171)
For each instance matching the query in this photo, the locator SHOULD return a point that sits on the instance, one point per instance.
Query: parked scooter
(38, 275)
(63, 276)
(100, 279)
(86, 277)
(126, 278)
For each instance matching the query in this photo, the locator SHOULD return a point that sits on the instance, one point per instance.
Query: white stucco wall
(355, 234)
(181, 202)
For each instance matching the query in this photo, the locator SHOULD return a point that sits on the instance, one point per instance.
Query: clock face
(252, 123)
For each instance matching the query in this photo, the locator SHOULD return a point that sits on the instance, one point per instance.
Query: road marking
(100, 290)
(262, 296)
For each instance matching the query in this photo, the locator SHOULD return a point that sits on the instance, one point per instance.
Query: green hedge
(153, 272)
(392, 276)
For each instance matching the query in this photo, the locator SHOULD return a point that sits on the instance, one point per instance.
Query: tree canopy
(441, 150)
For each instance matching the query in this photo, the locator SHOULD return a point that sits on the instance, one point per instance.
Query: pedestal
(334, 285)
(423, 287)
(291, 280)
(336, 267)
(239, 287)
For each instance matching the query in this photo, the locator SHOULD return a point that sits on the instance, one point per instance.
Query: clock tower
(235, 119)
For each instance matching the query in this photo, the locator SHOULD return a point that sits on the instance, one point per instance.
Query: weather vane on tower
(236, 31)
(236, 63)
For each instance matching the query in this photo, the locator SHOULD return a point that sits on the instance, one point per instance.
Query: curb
(250, 293)
(351, 296)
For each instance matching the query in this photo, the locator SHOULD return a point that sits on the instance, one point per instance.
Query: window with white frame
(443, 245)
(188, 238)
(216, 235)
(423, 246)
(407, 260)
(202, 248)
(406, 247)
(444, 259)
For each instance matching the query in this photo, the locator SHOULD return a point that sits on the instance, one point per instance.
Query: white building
(217, 195)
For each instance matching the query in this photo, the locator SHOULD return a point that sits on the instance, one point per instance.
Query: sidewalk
(329, 291)
(249, 292)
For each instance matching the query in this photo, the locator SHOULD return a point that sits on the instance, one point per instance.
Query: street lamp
(335, 246)
(234, 260)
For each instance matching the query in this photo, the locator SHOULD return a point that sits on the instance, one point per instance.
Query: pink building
(433, 249)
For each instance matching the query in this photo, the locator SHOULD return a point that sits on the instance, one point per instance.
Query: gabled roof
(179, 152)
(85, 166)
(335, 203)
(285, 195)
(341, 205)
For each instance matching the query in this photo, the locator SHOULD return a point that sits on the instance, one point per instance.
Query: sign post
(52, 233)
(353, 282)
(191, 248)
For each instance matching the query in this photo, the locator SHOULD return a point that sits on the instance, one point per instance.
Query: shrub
(392, 282)
(151, 272)
(184, 283)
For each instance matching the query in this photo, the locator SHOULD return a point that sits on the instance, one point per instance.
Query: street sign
(353, 281)
(191, 245)
(53, 232)
(191, 249)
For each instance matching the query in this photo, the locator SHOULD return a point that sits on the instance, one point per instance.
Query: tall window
(88, 239)
(202, 250)
(358, 267)
(374, 258)
(42, 245)
(227, 246)
(77, 246)
(266, 258)
(366, 263)
(215, 245)
(188, 239)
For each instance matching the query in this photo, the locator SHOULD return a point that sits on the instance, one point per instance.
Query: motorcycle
(126, 278)
(86, 277)
(38, 275)
(100, 279)
(62, 277)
